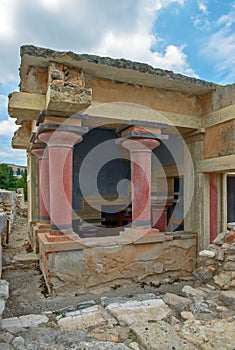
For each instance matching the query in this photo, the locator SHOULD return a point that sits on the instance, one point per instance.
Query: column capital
(140, 144)
(60, 135)
(39, 150)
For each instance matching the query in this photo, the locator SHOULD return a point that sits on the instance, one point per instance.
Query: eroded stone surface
(217, 334)
(133, 312)
(93, 316)
(23, 321)
(159, 335)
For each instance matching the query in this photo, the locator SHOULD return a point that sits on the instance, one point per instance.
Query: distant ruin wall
(3, 226)
(11, 203)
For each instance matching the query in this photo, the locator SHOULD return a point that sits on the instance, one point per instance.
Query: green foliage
(10, 182)
(22, 183)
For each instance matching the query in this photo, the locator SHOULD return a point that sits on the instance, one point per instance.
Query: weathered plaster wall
(164, 100)
(83, 270)
(219, 140)
(221, 97)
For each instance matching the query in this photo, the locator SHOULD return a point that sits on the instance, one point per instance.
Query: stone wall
(3, 226)
(156, 259)
(8, 205)
(12, 203)
(216, 265)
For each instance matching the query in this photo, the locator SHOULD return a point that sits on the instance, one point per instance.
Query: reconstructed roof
(120, 70)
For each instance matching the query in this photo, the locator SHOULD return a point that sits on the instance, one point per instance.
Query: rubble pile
(216, 265)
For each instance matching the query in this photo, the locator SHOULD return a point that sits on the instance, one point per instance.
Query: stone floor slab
(132, 312)
(96, 345)
(94, 316)
(23, 321)
(161, 336)
(210, 335)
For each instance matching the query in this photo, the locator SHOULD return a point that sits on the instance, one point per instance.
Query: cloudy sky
(192, 37)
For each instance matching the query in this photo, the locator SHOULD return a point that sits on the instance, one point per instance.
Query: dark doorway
(231, 197)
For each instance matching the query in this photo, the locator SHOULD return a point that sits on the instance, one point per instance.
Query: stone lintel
(59, 115)
(146, 124)
(57, 127)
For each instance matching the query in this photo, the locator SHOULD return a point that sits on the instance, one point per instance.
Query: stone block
(2, 305)
(193, 291)
(203, 275)
(93, 316)
(229, 266)
(101, 345)
(175, 300)
(228, 298)
(71, 99)
(160, 336)
(135, 312)
(223, 280)
(4, 289)
(3, 222)
(28, 321)
(207, 253)
(215, 334)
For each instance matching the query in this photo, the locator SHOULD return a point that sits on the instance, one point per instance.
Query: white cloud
(3, 102)
(8, 155)
(200, 20)
(227, 20)
(6, 19)
(219, 47)
(7, 127)
(202, 7)
(115, 28)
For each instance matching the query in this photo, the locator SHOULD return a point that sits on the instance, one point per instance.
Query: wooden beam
(26, 106)
(217, 164)
(220, 116)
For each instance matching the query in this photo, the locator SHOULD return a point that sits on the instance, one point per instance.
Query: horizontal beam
(218, 164)
(26, 106)
(220, 116)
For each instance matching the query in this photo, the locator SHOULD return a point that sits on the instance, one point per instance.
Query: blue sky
(192, 37)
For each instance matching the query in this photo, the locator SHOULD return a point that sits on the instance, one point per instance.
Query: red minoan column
(60, 150)
(213, 207)
(140, 157)
(41, 152)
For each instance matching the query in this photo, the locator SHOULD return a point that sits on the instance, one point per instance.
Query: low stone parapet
(99, 263)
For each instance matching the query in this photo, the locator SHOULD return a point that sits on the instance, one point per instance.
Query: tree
(11, 186)
(4, 176)
(10, 182)
(22, 183)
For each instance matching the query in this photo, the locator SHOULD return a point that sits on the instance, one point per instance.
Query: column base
(57, 236)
